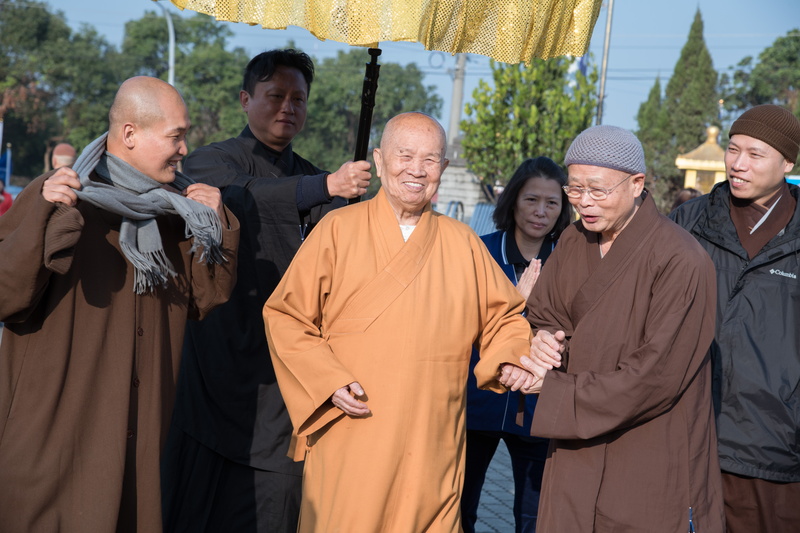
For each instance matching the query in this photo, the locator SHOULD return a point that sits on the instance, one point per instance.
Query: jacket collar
(715, 223)
(283, 159)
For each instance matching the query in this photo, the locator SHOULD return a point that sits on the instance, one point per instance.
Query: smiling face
(148, 123)
(162, 144)
(755, 169)
(276, 110)
(410, 163)
(537, 209)
(609, 216)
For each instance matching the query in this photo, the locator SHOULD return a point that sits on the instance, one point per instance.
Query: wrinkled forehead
(414, 129)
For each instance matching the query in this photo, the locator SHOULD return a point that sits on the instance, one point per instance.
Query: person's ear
(129, 135)
(376, 155)
(244, 99)
(638, 184)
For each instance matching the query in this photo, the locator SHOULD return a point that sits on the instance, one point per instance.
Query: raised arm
(37, 238)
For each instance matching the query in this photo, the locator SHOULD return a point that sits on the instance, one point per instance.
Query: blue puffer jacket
(756, 349)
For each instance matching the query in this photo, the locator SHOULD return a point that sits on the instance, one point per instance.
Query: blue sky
(646, 39)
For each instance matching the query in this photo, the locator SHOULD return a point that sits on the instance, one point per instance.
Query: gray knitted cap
(608, 147)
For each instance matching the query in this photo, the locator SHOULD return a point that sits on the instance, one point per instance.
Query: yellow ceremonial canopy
(510, 31)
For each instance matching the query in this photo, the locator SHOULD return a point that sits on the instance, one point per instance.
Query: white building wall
(459, 185)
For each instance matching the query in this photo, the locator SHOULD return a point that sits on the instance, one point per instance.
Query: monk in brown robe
(100, 266)
(370, 332)
(625, 316)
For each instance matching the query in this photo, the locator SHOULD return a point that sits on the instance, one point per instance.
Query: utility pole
(456, 101)
(171, 28)
(606, 42)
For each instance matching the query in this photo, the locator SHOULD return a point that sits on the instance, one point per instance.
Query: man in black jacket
(225, 467)
(750, 225)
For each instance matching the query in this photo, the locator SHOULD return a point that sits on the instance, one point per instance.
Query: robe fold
(88, 367)
(634, 444)
(360, 304)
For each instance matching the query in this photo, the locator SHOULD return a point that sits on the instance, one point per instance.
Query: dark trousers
(204, 492)
(757, 505)
(528, 455)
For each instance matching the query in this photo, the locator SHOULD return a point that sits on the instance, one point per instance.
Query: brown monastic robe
(359, 304)
(634, 444)
(88, 367)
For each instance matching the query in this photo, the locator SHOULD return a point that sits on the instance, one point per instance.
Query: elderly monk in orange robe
(370, 333)
(627, 301)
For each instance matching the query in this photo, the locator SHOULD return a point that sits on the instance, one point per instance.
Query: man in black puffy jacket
(750, 226)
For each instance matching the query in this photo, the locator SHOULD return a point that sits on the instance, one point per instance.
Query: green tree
(56, 84)
(87, 78)
(528, 111)
(334, 105)
(773, 79)
(654, 135)
(690, 103)
(207, 74)
(30, 38)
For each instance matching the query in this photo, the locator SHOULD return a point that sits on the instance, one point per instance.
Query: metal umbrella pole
(367, 105)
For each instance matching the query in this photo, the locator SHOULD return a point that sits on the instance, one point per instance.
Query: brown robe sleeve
(676, 326)
(37, 238)
(212, 283)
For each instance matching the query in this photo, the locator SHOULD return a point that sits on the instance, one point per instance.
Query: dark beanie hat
(608, 147)
(773, 124)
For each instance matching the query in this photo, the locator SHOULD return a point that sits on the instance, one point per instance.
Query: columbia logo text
(782, 273)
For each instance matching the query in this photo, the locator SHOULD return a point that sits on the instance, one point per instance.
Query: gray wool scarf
(139, 199)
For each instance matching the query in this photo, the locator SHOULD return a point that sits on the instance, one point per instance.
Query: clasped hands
(545, 354)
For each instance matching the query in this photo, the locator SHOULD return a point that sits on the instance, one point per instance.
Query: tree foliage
(31, 40)
(676, 123)
(207, 74)
(773, 79)
(334, 105)
(528, 111)
(654, 134)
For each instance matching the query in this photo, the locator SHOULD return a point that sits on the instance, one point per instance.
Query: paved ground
(495, 512)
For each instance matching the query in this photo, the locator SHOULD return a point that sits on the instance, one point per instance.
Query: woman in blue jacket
(531, 213)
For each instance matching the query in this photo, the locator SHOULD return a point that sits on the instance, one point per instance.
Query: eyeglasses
(595, 193)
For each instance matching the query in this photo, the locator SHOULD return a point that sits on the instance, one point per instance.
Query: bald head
(63, 155)
(141, 100)
(148, 122)
(415, 121)
(410, 163)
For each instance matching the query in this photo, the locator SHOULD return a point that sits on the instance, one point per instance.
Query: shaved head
(413, 120)
(141, 100)
(147, 126)
(410, 163)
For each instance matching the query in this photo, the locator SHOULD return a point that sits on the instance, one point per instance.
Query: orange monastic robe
(359, 304)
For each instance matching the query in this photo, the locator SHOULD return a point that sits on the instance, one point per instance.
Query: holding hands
(545, 354)
(517, 378)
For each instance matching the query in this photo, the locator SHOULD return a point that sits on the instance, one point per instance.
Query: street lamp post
(171, 28)
(602, 96)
